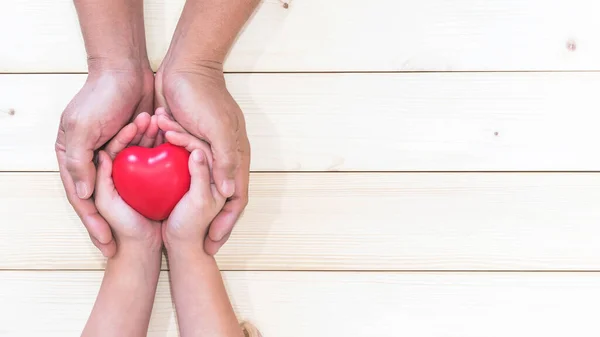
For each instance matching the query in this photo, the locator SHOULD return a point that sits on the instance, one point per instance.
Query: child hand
(177, 135)
(187, 226)
(129, 227)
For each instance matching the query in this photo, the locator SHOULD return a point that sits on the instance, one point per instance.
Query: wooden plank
(339, 35)
(363, 122)
(335, 304)
(392, 221)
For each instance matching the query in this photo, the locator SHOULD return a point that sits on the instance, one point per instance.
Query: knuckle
(73, 163)
(70, 121)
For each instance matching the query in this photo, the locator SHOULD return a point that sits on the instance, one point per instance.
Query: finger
(167, 124)
(95, 224)
(79, 163)
(227, 160)
(108, 250)
(224, 222)
(121, 140)
(162, 111)
(97, 227)
(200, 176)
(212, 247)
(160, 138)
(142, 121)
(234, 207)
(191, 143)
(149, 136)
(105, 187)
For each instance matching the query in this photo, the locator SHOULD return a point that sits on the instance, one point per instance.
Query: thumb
(226, 162)
(200, 184)
(81, 167)
(105, 183)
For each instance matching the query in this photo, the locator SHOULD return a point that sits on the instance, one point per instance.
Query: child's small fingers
(149, 137)
(165, 123)
(121, 140)
(162, 112)
(160, 138)
(200, 184)
(104, 182)
(190, 143)
(142, 121)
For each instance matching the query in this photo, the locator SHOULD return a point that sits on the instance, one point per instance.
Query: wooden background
(420, 168)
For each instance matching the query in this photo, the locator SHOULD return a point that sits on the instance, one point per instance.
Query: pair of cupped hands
(194, 109)
(187, 224)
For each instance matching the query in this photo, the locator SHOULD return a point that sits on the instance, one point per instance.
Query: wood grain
(335, 304)
(363, 122)
(339, 35)
(339, 221)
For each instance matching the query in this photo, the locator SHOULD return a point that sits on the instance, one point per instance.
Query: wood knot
(285, 4)
(11, 112)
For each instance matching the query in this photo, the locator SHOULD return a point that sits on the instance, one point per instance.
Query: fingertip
(198, 156)
(227, 187)
(160, 111)
(212, 247)
(98, 228)
(142, 121)
(110, 249)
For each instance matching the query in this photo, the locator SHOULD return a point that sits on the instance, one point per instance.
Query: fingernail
(81, 189)
(197, 156)
(228, 187)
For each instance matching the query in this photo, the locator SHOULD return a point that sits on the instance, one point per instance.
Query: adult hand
(198, 99)
(105, 103)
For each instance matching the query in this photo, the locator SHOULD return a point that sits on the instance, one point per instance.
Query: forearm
(207, 29)
(201, 300)
(126, 296)
(113, 32)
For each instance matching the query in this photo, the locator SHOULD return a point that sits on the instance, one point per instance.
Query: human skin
(191, 86)
(119, 85)
(189, 83)
(201, 300)
(124, 303)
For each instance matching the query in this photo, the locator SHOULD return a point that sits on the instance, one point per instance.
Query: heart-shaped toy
(152, 180)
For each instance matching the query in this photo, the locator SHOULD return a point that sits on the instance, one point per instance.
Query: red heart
(152, 180)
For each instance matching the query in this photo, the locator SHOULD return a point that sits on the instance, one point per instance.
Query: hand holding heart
(164, 182)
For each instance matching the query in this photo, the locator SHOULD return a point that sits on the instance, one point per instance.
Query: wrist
(134, 67)
(186, 251)
(143, 253)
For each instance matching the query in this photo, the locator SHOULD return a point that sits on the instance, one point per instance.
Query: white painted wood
(339, 221)
(363, 122)
(335, 304)
(339, 35)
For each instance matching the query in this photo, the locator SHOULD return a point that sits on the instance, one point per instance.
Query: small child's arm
(124, 303)
(201, 300)
(125, 300)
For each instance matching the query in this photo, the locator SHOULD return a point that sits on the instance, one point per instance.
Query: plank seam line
(400, 271)
(349, 72)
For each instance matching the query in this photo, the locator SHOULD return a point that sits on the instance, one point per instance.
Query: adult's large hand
(105, 103)
(199, 100)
